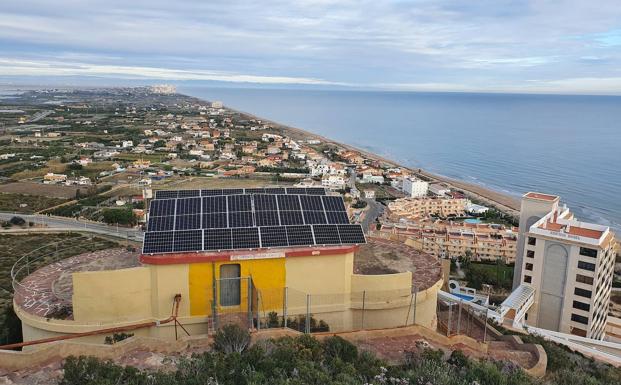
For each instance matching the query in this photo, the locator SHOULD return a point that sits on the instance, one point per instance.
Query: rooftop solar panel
(326, 235)
(245, 238)
(273, 236)
(217, 239)
(165, 194)
(189, 240)
(228, 219)
(158, 242)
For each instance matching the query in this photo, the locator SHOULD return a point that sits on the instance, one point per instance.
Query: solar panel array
(229, 219)
(168, 194)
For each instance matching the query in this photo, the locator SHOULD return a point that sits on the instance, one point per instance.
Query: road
(72, 224)
(373, 210)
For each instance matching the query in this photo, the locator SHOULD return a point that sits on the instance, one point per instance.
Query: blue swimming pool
(472, 220)
(464, 296)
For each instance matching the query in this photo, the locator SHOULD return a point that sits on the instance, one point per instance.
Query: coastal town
(97, 161)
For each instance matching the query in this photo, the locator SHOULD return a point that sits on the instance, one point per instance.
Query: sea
(567, 145)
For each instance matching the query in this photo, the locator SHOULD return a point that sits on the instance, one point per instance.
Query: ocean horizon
(511, 143)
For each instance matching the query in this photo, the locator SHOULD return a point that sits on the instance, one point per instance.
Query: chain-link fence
(237, 300)
(459, 317)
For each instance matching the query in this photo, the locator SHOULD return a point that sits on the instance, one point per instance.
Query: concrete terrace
(47, 292)
(382, 256)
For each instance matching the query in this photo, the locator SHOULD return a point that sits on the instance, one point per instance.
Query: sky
(538, 46)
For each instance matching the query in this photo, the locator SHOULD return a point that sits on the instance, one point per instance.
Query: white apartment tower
(415, 188)
(569, 263)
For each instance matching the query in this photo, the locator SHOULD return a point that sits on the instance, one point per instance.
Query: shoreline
(503, 202)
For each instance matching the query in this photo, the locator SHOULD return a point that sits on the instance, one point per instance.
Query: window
(528, 279)
(582, 306)
(530, 254)
(586, 266)
(529, 266)
(588, 252)
(579, 318)
(230, 293)
(532, 241)
(584, 279)
(582, 292)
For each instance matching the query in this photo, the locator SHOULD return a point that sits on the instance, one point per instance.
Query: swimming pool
(463, 296)
(472, 220)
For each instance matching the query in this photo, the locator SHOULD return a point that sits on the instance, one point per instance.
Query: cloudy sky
(564, 46)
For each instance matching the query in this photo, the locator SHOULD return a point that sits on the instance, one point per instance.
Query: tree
(124, 216)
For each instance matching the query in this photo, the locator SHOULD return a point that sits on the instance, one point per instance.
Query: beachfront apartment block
(424, 207)
(414, 187)
(569, 263)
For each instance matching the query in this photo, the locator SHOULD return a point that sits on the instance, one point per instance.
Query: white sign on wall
(245, 257)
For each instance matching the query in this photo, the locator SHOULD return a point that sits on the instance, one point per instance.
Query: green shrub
(231, 338)
(337, 348)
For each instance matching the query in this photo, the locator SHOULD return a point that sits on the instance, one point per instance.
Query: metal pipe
(172, 317)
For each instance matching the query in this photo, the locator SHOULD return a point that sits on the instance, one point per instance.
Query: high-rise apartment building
(569, 263)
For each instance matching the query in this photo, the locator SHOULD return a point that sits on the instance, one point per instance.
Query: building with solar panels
(262, 257)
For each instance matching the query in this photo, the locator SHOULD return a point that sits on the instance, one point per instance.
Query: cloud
(10, 67)
(327, 42)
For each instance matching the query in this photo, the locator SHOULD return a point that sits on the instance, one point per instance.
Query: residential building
(51, 178)
(417, 208)
(414, 187)
(569, 263)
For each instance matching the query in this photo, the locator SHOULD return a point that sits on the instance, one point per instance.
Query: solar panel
(187, 222)
(296, 190)
(267, 218)
(165, 194)
(232, 191)
(311, 202)
(215, 204)
(215, 220)
(240, 219)
(245, 238)
(288, 202)
(158, 242)
(273, 236)
(208, 193)
(351, 234)
(161, 223)
(218, 239)
(300, 236)
(291, 218)
(190, 240)
(314, 217)
(316, 191)
(189, 193)
(254, 191)
(162, 208)
(265, 202)
(275, 190)
(331, 203)
(188, 206)
(337, 217)
(326, 235)
(239, 203)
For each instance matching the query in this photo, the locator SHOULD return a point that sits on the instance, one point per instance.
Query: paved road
(373, 211)
(78, 225)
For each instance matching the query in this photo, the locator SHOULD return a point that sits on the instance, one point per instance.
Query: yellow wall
(119, 295)
(321, 274)
(268, 275)
(166, 282)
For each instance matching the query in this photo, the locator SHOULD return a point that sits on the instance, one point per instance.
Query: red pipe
(172, 317)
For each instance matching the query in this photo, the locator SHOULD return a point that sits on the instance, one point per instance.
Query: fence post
(284, 305)
(448, 325)
(250, 310)
(364, 297)
(258, 311)
(307, 323)
(485, 325)
(415, 299)
(459, 318)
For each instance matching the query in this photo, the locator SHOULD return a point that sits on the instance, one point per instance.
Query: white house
(333, 181)
(127, 143)
(414, 187)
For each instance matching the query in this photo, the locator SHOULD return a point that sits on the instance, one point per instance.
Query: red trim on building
(180, 258)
